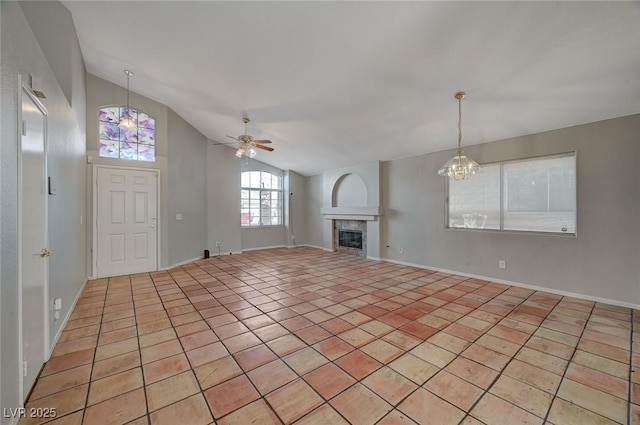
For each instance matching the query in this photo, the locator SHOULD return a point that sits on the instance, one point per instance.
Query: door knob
(45, 253)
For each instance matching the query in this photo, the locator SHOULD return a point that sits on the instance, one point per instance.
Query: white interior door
(34, 255)
(126, 225)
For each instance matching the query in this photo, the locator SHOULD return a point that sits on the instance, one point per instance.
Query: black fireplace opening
(350, 239)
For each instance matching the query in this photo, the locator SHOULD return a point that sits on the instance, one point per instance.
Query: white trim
(313, 246)
(263, 247)
(374, 258)
(94, 218)
(316, 247)
(66, 319)
(352, 211)
(22, 90)
(181, 263)
(15, 420)
(359, 217)
(521, 285)
(221, 254)
(19, 244)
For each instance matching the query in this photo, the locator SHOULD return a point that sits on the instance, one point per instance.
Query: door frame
(25, 90)
(94, 221)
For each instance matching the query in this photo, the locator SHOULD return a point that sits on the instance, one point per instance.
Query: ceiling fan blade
(225, 144)
(266, 148)
(231, 137)
(262, 141)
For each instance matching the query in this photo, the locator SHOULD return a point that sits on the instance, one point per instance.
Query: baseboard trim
(306, 245)
(222, 254)
(263, 247)
(53, 343)
(520, 285)
(181, 263)
(374, 258)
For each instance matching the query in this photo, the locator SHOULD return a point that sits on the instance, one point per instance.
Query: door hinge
(24, 368)
(24, 128)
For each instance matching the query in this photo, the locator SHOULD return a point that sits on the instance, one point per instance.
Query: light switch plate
(53, 186)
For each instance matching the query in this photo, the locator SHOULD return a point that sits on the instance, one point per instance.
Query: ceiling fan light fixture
(247, 143)
(127, 123)
(460, 167)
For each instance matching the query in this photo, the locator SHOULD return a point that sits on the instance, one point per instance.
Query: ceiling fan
(248, 143)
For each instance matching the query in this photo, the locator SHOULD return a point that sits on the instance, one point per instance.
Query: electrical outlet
(502, 264)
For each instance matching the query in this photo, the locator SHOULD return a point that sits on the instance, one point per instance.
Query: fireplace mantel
(351, 213)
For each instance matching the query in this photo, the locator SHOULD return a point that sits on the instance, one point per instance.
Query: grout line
(288, 278)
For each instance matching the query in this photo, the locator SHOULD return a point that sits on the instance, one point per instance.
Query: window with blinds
(529, 195)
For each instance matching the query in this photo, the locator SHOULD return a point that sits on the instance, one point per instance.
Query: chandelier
(460, 167)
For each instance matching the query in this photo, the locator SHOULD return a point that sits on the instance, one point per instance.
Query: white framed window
(261, 199)
(528, 195)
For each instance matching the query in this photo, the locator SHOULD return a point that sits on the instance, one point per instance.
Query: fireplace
(350, 236)
(350, 239)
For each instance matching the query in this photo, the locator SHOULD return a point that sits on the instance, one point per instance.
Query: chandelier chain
(459, 122)
(128, 75)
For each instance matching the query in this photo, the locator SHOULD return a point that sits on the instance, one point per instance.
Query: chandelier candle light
(459, 167)
(126, 122)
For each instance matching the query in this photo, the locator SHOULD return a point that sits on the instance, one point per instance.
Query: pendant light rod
(460, 167)
(246, 122)
(129, 75)
(460, 95)
(127, 123)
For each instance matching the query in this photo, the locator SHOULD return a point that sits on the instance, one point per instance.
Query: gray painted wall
(315, 201)
(602, 261)
(104, 93)
(296, 197)
(223, 188)
(181, 153)
(60, 45)
(187, 190)
(22, 54)
(223, 199)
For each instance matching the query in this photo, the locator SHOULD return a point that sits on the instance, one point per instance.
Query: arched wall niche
(349, 190)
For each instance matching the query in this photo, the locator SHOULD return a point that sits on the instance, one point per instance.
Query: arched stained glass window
(136, 143)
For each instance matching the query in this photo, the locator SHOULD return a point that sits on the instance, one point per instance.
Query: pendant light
(460, 167)
(127, 123)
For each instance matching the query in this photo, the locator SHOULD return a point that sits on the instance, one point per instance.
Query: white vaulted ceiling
(340, 83)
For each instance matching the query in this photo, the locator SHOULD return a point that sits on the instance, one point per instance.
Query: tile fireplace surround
(356, 225)
(307, 336)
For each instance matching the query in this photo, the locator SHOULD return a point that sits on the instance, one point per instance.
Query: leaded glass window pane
(137, 143)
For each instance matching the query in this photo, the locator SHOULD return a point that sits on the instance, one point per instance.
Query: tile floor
(310, 337)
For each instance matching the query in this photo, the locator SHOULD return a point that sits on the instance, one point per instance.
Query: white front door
(126, 225)
(34, 253)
